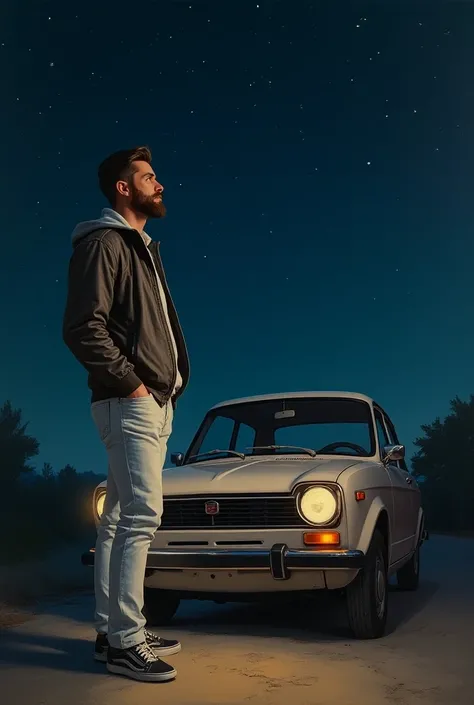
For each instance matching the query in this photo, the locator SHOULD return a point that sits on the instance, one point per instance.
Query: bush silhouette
(445, 460)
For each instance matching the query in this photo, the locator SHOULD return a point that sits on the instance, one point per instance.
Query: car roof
(296, 395)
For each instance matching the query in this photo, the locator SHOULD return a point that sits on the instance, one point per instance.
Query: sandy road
(297, 655)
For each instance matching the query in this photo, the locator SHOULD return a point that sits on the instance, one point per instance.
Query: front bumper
(279, 560)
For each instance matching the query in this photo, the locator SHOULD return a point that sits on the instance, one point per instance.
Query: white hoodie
(111, 219)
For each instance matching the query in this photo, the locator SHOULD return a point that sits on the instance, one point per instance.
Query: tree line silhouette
(39, 510)
(45, 509)
(445, 460)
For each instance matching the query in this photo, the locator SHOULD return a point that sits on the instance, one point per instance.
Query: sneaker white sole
(144, 677)
(166, 651)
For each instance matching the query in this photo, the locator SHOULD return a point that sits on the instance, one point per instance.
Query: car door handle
(408, 480)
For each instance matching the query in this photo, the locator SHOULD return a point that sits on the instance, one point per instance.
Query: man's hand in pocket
(141, 391)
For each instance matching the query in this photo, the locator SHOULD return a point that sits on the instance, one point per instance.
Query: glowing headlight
(99, 504)
(318, 505)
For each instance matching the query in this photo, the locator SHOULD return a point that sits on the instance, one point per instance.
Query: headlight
(318, 505)
(99, 504)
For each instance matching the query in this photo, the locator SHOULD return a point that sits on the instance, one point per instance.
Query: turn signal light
(322, 538)
(359, 496)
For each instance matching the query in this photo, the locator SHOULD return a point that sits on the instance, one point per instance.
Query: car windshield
(298, 426)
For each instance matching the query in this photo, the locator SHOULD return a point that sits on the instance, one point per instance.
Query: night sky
(317, 159)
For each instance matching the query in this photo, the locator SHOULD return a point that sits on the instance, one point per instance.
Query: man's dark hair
(119, 166)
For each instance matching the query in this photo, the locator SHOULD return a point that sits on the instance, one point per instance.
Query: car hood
(231, 476)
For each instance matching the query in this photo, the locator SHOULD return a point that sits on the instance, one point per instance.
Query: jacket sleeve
(92, 272)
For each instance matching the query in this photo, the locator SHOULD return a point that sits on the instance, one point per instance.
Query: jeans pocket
(101, 415)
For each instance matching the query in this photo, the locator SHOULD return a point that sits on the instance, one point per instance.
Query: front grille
(251, 512)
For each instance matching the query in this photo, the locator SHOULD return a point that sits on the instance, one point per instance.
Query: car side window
(394, 440)
(391, 438)
(381, 432)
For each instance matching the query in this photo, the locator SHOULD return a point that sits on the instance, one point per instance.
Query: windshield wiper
(217, 452)
(309, 451)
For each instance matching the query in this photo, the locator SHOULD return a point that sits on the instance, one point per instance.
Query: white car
(284, 493)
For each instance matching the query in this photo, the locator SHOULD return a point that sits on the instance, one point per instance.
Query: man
(122, 326)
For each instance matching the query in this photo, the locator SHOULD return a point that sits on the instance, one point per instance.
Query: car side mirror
(177, 459)
(393, 453)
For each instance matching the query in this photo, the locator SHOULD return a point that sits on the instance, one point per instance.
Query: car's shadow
(320, 619)
(404, 606)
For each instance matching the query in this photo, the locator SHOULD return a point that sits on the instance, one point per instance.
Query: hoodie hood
(108, 219)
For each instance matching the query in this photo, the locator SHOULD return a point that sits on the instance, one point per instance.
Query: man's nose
(159, 188)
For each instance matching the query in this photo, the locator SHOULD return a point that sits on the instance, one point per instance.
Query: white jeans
(135, 433)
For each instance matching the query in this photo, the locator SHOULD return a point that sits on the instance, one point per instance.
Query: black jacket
(114, 322)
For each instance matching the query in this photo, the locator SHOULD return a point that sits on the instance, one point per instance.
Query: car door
(394, 501)
(415, 495)
(404, 492)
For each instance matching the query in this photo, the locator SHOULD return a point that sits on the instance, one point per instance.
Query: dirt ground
(234, 654)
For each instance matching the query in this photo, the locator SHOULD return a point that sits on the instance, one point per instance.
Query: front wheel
(160, 606)
(367, 595)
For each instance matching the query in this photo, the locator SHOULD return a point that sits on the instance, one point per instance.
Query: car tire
(367, 595)
(408, 577)
(160, 606)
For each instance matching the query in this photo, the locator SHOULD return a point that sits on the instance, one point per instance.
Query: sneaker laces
(146, 653)
(152, 636)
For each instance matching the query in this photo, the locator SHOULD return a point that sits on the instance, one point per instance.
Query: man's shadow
(22, 649)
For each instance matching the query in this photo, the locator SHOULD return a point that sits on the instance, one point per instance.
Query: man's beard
(149, 206)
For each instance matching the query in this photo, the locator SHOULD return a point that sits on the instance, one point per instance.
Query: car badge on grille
(211, 508)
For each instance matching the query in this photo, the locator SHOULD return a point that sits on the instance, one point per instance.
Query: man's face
(146, 193)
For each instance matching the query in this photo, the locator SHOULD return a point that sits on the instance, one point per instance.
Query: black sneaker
(101, 648)
(140, 663)
(162, 647)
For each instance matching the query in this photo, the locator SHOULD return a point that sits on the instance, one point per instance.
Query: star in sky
(310, 147)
